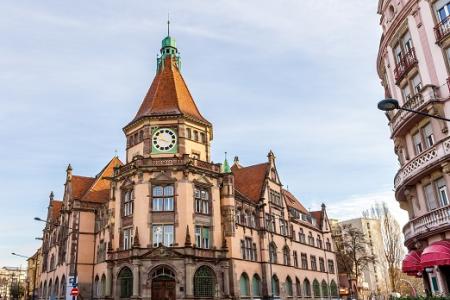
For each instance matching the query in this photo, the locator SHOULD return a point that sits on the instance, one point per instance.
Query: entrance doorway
(163, 284)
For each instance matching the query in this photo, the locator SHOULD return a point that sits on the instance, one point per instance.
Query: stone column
(226, 280)
(109, 275)
(136, 280)
(189, 288)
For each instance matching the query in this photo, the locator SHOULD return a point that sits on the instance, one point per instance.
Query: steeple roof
(168, 93)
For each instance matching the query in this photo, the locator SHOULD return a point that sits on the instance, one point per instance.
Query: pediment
(163, 176)
(162, 252)
(203, 180)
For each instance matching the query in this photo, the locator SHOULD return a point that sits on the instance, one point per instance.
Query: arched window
(275, 285)
(256, 285)
(103, 285)
(96, 286)
(50, 289)
(244, 285)
(125, 280)
(298, 287)
(286, 256)
(324, 289)
(316, 288)
(319, 241)
(52, 262)
(163, 272)
(289, 289)
(63, 287)
(306, 288)
(333, 289)
(204, 282)
(273, 253)
(56, 287)
(44, 291)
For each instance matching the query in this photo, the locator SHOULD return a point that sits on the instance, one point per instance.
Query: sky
(295, 77)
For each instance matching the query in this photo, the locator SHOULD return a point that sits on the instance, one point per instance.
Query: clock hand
(160, 138)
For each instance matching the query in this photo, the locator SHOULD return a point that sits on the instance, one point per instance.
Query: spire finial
(168, 24)
(226, 166)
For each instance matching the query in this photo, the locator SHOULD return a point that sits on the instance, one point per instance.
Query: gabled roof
(293, 202)
(94, 189)
(318, 216)
(169, 95)
(56, 209)
(249, 181)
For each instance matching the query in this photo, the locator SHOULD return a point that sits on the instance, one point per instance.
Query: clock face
(164, 140)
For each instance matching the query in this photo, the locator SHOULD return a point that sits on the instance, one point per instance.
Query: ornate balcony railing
(420, 162)
(432, 220)
(406, 63)
(414, 103)
(442, 29)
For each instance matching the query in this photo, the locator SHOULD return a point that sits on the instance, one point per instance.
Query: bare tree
(351, 253)
(392, 240)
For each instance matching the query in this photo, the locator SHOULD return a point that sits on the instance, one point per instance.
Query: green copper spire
(226, 166)
(168, 49)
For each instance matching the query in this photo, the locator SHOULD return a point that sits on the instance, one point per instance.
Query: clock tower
(168, 122)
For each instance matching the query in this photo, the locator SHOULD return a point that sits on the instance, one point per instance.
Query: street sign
(74, 292)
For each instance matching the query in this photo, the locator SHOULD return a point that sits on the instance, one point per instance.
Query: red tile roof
(318, 216)
(80, 185)
(249, 181)
(169, 95)
(56, 209)
(293, 202)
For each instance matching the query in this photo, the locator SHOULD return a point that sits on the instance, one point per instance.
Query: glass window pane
(168, 190)
(157, 191)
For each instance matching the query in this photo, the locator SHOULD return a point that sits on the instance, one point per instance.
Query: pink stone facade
(413, 65)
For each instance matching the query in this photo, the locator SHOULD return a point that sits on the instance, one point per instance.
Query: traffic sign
(74, 292)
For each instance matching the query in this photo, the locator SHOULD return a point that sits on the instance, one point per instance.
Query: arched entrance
(163, 284)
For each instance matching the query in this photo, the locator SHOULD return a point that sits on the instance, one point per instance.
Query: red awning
(411, 263)
(437, 254)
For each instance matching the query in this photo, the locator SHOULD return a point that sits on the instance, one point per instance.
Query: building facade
(168, 223)
(34, 268)
(374, 278)
(413, 65)
(13, 283)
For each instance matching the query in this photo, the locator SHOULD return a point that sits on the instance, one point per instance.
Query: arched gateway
(163, 284)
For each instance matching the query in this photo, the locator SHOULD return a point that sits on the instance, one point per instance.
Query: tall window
(331, 266)
(253, 220)
(270, 222)
(256, 285)
(289, 289)
(304, 261)
(416, 83)
(188, 133)
(321, 264)
(417, 139)
(125, 279)
(128, 203)
(163, 198)
(428, 135)
(275, 198)
(441, 187)
(202, 237)
(328, 245)
(295, 256)
(443, 11)
(430, 197)
(204, 282)
(306, 288)
(301, 236)
(333, 289)
(286, 256)
(244, 285)
(283, 227)
(127, 238)
(324, 289)
(406, 93)
(319, 241)
(311, 239)
(316, 288)
(313, 263)
(298, 287)
(248, 249)
(202, 200)
(275, 285)
(273, 253)
(162, 234)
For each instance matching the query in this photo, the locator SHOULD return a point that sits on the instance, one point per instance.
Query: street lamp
(391, 104)
(75, 283)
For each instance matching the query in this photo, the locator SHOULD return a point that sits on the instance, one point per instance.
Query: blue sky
(297, 77)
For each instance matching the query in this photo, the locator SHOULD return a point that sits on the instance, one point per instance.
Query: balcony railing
(407, 61)
(432, 220)
(414, 103)
(442, 29)
(423, 160)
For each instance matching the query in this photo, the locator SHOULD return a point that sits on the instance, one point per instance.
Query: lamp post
(75, 283)
(391, 104)
(34, 273)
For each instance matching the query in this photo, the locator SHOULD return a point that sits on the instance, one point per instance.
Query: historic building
(168, 223)
(34, 268)
(413, 65)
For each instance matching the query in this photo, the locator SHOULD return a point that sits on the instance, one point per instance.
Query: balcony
(407, 61)
(422, 162)
(435, 220)
(415, 102)
(442, 29)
